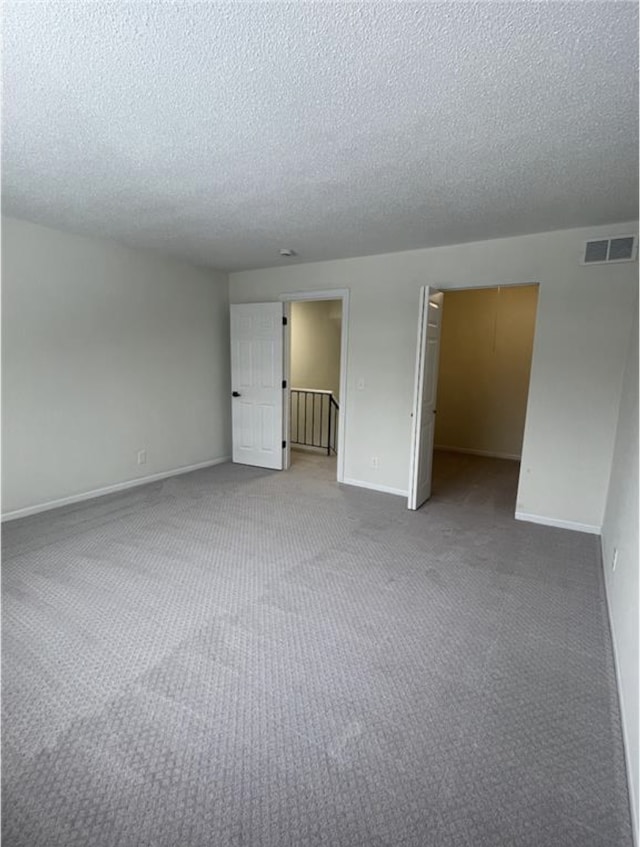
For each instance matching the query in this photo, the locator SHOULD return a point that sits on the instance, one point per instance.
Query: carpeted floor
(246, 657)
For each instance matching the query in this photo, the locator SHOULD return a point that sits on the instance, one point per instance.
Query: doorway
(315, 368)
(482, 364)
(261, 380)
(314, 393)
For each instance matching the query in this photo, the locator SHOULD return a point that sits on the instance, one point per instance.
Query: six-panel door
(257, 368)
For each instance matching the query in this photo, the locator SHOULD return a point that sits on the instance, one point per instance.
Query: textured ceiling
(222, 132)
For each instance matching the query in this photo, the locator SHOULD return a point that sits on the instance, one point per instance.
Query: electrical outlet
(614, 559)
(375, 462)
(142, 457)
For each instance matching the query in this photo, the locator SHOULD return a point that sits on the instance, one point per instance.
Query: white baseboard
(625, 737)
(109, 489)
(385, 489)
(489, 453)
(541, 519)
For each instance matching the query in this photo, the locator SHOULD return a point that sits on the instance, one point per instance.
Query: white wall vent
(622, 248)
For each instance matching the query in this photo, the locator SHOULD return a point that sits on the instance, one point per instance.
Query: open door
(257, 365)
(424, 400)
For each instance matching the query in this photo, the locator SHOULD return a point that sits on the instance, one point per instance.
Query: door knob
(235, 393)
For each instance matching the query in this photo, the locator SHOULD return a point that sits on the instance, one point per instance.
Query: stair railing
(314, 416)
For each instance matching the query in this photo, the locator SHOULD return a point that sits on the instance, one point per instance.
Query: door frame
(326, 294)
(444, 288)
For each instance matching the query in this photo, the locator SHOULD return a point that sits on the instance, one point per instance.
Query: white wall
(620, 531)
(486, 343)
(584, 319)
(106, 351)
(315, 344)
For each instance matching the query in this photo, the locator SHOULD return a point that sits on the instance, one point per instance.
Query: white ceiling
(222, 132)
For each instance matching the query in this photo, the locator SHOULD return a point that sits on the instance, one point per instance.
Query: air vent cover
(622, 248)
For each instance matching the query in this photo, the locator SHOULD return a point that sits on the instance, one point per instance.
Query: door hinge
(284, 383)
(284, 321)
(284, 444)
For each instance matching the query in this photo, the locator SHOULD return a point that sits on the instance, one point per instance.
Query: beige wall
(315, 344)
(582, 328)
(485, 362)
(106, 351)
(620, 532)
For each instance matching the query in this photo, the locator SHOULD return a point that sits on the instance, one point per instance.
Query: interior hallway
(245, 656)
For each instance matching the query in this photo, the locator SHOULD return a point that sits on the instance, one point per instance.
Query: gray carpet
(243, 657)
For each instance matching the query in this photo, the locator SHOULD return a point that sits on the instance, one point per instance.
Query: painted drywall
(106, 351)
(620, 532)
(582, 327)
(315, 344)
(486, 344)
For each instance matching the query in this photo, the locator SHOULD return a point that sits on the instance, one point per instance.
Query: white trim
(541, 519)
(109, 489)
(513, 456)
(286, 395)
(625, 738)
(326, 294)
(329, 294)
(385, 489)
(444, 287)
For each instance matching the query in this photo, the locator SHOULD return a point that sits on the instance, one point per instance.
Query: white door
(256, 384)
(424, 400)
